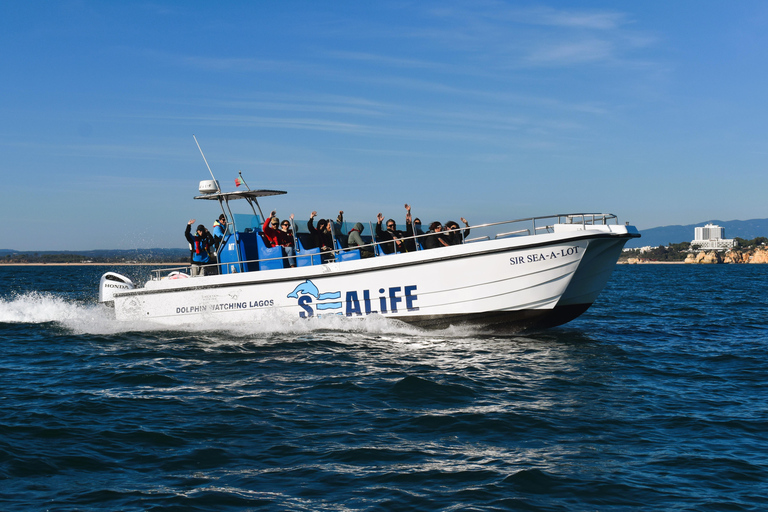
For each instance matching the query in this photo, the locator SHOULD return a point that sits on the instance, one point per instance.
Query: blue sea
(655, 399)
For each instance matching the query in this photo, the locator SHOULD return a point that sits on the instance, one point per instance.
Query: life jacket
(200, 248)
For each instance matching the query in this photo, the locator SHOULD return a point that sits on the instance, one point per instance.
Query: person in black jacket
(456, 236)
(410, 229)
(321, 236)
(391, 240)
(436, 237)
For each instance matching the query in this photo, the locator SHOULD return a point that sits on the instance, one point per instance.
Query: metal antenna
(206, 164)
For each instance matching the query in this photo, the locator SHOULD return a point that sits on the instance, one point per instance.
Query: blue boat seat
(239, 246)
(379, 252)
(306, 257)
(268, 253)
(348, 255)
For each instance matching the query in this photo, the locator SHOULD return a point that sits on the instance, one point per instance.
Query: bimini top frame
(250, 197)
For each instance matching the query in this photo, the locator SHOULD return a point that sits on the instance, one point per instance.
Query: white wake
(83, 318)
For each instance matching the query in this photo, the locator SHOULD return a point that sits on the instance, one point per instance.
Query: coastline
(94, 264)
(650, 263)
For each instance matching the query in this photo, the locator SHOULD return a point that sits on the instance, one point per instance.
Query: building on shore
(711, 238)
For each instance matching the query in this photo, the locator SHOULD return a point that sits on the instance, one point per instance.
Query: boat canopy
(251, 197)
(241, 194)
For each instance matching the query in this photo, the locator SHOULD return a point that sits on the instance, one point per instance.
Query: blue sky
(654, 111)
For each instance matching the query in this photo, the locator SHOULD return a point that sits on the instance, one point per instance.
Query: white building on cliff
(711, 238)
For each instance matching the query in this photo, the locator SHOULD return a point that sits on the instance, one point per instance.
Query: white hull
(502, 284)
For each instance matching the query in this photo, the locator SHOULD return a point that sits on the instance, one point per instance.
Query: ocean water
(655, 399)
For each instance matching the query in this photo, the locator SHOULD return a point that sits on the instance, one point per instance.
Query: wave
(39, 307)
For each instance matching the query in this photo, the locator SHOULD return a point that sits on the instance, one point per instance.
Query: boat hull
(498, 285)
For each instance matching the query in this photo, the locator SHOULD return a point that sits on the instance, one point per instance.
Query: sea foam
(89, 318)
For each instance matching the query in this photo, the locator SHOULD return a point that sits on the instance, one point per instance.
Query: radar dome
(208, 186)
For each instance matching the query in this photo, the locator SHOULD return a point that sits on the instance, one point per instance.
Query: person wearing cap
(282, 237)
(200, 243)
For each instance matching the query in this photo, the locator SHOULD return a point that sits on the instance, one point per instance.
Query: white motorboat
(507, 276)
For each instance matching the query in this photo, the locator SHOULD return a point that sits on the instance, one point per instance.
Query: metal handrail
(505, 235)
(584, 219)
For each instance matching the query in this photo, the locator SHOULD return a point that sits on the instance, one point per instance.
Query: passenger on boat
(287, 241)
(417, 226)
(219, 230)
(201, 242)
(270, 229)
(321, 236)
(436, 237)
(337, 228)
(391, 240)
(354, 240)
(282, 237)
(417, 231)
(410, 242)
(455, 236)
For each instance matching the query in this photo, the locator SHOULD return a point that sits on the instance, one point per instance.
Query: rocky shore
(758, 255)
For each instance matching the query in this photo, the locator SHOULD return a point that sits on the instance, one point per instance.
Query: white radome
(208, 186)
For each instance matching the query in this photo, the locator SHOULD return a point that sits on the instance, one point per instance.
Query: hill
(665, 235)
(153, 255)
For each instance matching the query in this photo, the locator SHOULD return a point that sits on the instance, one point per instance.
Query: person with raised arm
(201, 242)
(436, 238)
(280, 235)
(410, 230)
(455, 236)
(391, 240)
(321, 235)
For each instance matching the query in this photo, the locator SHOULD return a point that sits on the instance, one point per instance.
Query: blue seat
(239, 246)
(268, 253)
(306, 257)
(352, 254)
(379, 252)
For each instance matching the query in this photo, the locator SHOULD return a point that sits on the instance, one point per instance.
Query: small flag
(238, 182)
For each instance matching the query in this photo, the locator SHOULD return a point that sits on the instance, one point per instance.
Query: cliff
(758, 255)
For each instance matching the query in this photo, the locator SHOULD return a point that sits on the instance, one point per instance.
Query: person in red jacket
(282, 237)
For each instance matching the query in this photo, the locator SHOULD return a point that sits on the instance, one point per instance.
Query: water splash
(37, 308)
(89, 318)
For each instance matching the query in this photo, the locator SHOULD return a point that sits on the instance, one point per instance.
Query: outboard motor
(112, 283)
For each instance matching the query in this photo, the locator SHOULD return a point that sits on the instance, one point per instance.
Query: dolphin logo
(309, 288)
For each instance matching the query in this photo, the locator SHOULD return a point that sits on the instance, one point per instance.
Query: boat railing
(502, 235)
(536, 225)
